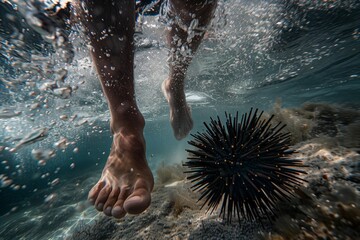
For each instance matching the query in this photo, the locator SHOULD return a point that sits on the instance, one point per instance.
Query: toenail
(117, 211)
(108, 210)
(91, 200)
(117, 208)
(100, 206)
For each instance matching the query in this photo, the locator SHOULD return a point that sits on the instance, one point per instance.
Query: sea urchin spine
(246, 166)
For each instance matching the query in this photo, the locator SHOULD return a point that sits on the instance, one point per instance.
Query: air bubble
(50, 198)
(61, 144)
(55, 182)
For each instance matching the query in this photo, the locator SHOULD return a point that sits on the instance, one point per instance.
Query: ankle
(125, 140)
(134, 124)
(127, 119)
(174, 87)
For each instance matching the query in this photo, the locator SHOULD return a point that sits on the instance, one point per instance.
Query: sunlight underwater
(298, 60)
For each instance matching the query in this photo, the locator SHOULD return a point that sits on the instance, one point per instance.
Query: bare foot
(126, 181)
(180, 115)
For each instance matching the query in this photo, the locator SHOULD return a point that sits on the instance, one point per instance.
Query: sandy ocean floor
(326, 138)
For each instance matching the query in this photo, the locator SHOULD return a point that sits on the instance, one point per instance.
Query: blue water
(256, 53)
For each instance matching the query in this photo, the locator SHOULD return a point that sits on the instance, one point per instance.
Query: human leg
(126, 180)
(188, 20)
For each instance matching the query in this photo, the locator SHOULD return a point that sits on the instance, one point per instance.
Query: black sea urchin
(245, 165)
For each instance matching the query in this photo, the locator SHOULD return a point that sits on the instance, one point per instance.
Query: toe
(178, 135)
(139, 200)
(94, 192)
(111, 200)
(102, 197)
(118, 210)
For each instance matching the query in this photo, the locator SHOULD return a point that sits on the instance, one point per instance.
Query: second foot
(180, 114)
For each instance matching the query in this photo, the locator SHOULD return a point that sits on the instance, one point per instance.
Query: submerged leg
(188, 21)
(126, 181)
